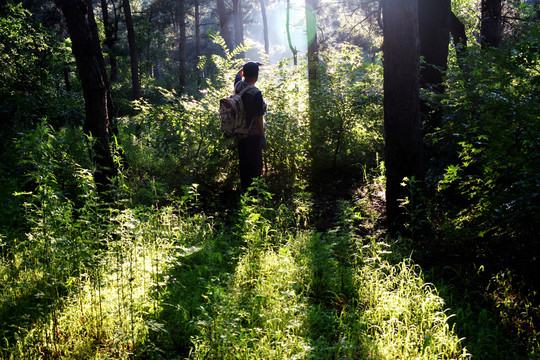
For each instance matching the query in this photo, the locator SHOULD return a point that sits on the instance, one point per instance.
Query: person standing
(250, 148)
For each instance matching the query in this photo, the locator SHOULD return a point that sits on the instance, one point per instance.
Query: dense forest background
(397, 216)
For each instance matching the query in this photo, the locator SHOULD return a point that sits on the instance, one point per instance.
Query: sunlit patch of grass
(165, 284)
(112, 306)
(287, 299)
(260, 314)
(407, 318)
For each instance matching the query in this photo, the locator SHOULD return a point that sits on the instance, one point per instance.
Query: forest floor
(309, 275)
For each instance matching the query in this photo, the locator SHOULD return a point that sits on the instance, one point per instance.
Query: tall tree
(111, 35)
(457, 29)
(403, 142)
(491, 25)
(238, 24)
(313, 46)
(181, 14)
(197, 29)
(287, 24)
(224, 24)
(265, 27)
(135, 83)
(198, 40)
(91, 67)
(312, 64)
(433, 29)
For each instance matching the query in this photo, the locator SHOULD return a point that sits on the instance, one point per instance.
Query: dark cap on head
(251, 69)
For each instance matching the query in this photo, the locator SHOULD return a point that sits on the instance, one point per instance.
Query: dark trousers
(251, 162)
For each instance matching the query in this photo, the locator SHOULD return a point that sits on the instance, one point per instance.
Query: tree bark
(90, 64)
(111, 31)
(197, 30)
(265, 27)
(238, 24)
(457, 29)
(182, 45)
(312, 53)
(224, 24)
(434, 35)
(136, 86)
(434, 30)
(197, 40)
(293, 49)
(312, 64)
(491, 25)
(402, 128)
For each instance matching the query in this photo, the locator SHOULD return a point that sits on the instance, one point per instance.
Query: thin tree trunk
(197, 40)
(265, 27)
(238, 24)
(491, 26)
(311, 29)
(457, 29)
(293, 49)
(111, 111)
(434, 30)
(312, 64)
(224, 24)
(197, 30)
(403, 143)
(90, 64)
(182, 45)
(136, 86)
(110, 39)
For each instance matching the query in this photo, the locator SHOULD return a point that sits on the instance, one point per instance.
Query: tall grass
(168, 282)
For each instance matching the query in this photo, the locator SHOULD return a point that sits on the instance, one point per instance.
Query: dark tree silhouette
(265, 26)
(91, 67)
(111, 35)
(403, 143)
(181, 13)
(224, 24)
(491, 25)
(135, 83)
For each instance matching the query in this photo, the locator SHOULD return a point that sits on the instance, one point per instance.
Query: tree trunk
(293, 49)
(434, 31)
(182, 45)
(265, 27)
(312, 54)
(198, 40)
(91, 65)
(238, 24)
(136, 86)
(111, 30)
(197, 30)
(312, 64)
(224, 24)
(491, 26)
(403, 142)
(457, 29)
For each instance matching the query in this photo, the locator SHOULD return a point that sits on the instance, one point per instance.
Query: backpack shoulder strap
(246, 89)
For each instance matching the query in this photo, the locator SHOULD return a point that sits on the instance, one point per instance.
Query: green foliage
(347, 127)
(32, 60)
(492, 115)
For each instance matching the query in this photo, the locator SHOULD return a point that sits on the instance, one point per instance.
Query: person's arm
(238, 76)
(259, 123)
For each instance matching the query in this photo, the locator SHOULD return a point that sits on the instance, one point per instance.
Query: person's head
(251, 71)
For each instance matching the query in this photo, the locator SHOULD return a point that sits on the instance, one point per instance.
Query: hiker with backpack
(251, 137)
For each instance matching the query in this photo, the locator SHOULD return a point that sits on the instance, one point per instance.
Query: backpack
(233, 115)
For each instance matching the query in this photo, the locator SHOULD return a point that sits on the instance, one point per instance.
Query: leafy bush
(492, 121)
(32, 60)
